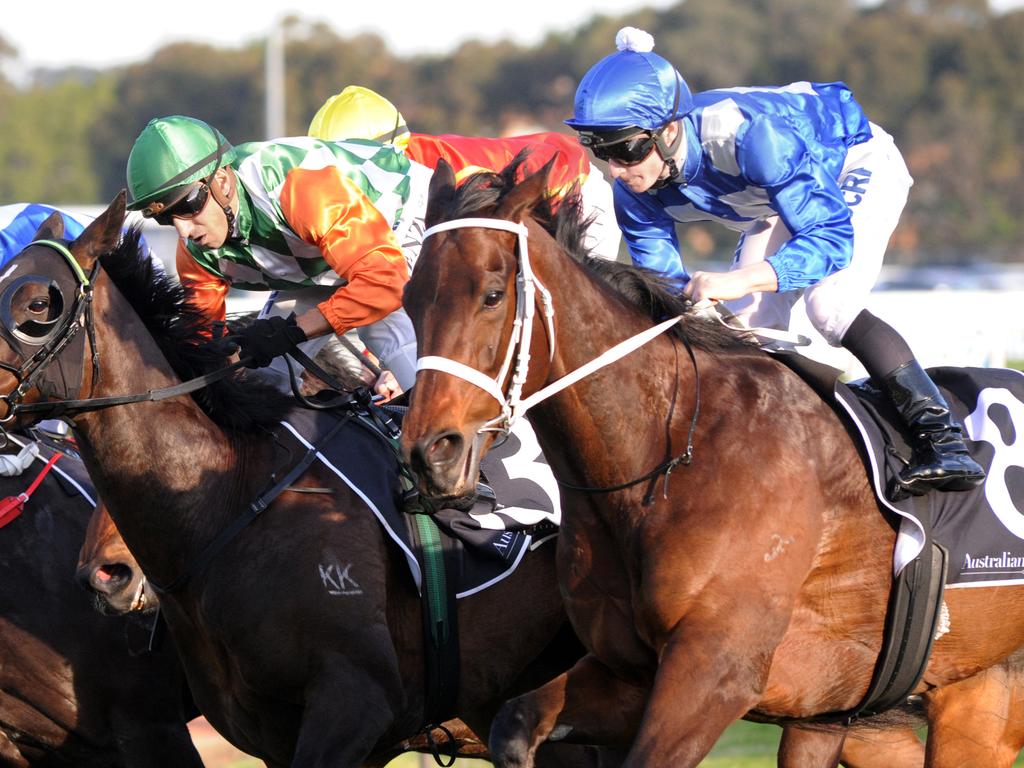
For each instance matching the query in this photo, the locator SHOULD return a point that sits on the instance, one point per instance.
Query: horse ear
(102, 235)
(525, 196)
(440, 193)
(51, 229)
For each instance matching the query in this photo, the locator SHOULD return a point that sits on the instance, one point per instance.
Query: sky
(112, 32)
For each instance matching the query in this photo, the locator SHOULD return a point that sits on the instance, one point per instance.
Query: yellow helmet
(359, 113)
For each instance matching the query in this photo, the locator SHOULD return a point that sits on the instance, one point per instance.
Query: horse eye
(493, 298)
(39, 306)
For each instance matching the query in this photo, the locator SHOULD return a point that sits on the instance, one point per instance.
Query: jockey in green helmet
(167, 160)
(329, 227)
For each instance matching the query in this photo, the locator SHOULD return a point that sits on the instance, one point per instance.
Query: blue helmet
(632, 87)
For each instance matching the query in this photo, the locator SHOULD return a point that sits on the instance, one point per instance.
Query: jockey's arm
(327, 209)
(774, 156)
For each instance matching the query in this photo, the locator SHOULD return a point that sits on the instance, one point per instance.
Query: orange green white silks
(313, 213)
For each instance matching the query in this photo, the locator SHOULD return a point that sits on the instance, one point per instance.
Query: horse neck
(154, 463)
(590, 318)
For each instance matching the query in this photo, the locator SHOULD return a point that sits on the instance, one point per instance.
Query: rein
(513, 405)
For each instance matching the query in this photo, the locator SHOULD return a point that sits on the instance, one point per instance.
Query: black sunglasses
(628, 150)
(185, 208)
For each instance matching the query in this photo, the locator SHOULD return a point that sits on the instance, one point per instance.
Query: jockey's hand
(709, 287)
(387, 386)
(269, 337)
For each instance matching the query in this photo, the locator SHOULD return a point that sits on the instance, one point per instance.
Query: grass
(743, 745)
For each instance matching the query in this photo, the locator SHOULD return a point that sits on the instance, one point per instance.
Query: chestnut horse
(282, 666)
(73, 692)
(751, 579)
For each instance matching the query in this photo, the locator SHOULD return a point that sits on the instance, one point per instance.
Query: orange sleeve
(206, 291)
(328, 210)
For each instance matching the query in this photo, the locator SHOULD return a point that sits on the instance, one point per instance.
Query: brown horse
(282, 666)
(73, 693)
(750, 579)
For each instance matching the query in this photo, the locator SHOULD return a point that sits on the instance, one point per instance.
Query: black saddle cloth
(983, 528)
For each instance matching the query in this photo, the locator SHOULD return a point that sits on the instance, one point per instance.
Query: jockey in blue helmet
(814, 187)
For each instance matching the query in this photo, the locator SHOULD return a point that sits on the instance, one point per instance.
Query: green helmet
(170, 155)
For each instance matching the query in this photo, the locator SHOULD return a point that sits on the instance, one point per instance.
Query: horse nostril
(438, 453)
(110, 577)
(445, 450)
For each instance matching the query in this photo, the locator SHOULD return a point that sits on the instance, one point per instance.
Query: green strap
(435, 586)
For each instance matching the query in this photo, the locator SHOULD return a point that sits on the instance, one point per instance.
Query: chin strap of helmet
(666, 151)
(225, 201)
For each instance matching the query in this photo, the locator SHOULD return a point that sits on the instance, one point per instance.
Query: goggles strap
(667, 152)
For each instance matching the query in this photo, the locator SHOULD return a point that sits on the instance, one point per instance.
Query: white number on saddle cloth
(980, 427)
(527, 463)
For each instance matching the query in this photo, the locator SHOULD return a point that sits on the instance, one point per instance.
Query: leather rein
(512, 404)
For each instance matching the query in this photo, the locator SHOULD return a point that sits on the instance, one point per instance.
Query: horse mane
(240, 402)
(642, 288)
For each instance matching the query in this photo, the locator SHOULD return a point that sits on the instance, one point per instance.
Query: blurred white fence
(943, 327)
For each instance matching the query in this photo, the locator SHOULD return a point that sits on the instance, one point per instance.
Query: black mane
(239, 402)
(481, 194)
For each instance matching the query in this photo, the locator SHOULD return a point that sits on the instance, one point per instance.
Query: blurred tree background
(942, 76)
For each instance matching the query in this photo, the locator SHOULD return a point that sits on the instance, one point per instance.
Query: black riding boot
(940, 459)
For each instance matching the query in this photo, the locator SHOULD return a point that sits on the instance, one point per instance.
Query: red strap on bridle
(13, 506)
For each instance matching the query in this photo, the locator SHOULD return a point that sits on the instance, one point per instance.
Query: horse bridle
(527, 286)
(32, 370)
(513, 405)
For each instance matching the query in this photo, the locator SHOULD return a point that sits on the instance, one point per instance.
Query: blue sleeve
(22, 229)
(773, 155)
(650, 233)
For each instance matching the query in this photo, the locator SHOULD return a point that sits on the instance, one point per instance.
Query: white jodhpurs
(875, 183)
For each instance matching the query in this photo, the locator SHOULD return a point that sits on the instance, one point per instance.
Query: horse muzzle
(118, 587)
(446, 464)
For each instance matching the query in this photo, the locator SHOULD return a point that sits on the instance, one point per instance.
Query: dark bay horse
(751, 580)
(73, 693)
(280, 666)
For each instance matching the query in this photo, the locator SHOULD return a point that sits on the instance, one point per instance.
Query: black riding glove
(267, 338)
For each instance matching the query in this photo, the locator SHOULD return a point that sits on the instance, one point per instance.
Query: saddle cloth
(983, 528)
(489, 542)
